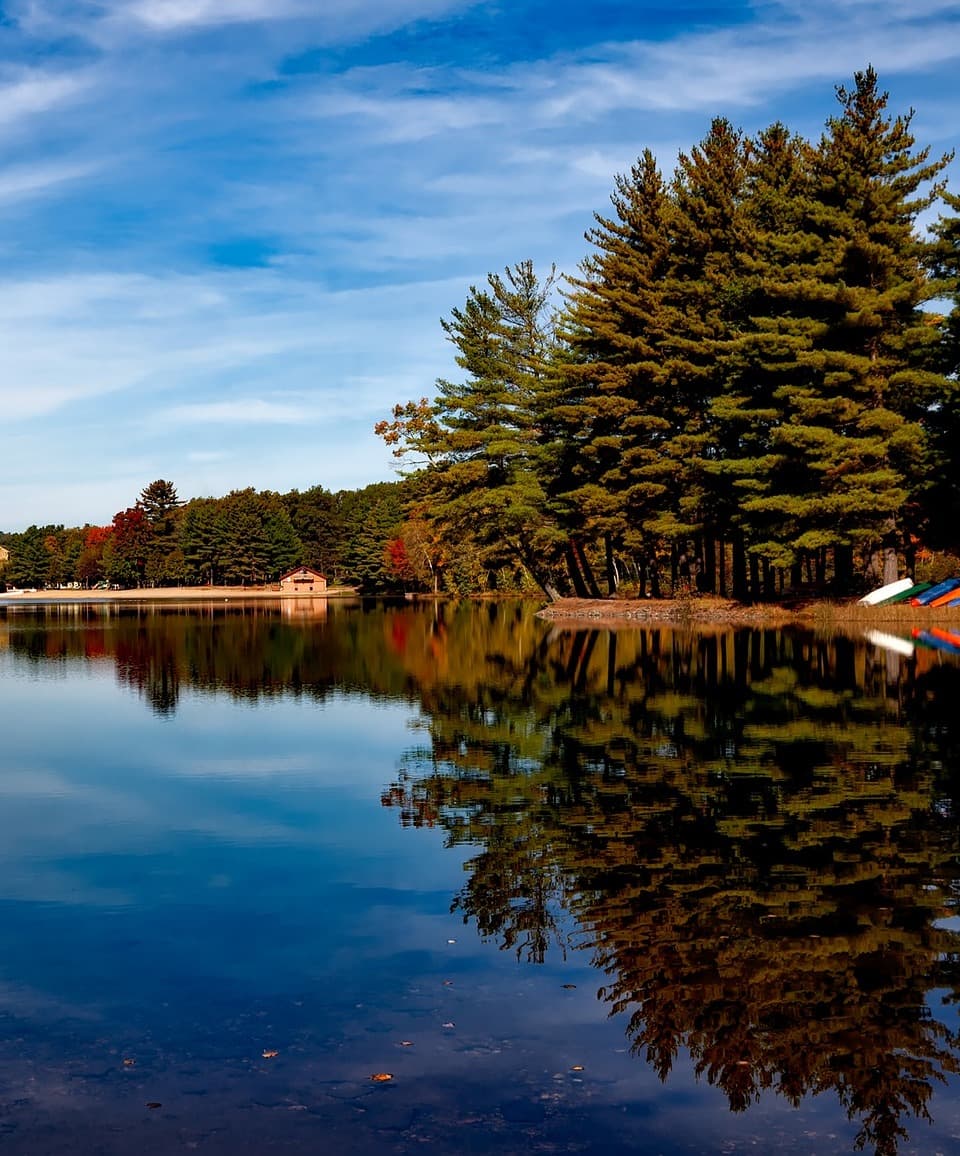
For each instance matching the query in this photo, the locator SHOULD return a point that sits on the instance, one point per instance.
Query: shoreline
(173, 594)
(612, 614)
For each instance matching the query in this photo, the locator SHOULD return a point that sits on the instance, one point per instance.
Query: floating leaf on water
(451, 941)
(270, 1053)
(448, 983)
(577, 1068)
(569, 986)
(151, 1104)
(129, 1063)
(381, 1077)
(451, 1024)
(406, 1043)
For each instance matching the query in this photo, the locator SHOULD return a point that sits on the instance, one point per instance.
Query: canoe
(920, 588)
(945, 599)
(947, 636)
(928, 596)
(891, 590)
(890, 642)
(928, 638)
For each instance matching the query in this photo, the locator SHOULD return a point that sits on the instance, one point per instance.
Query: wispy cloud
(233, 226)
(253, 410)
(25, 92)
(22, 181)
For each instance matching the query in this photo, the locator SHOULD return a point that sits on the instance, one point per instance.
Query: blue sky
(229, 228)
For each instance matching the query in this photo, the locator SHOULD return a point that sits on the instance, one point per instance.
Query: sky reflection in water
(715, 871)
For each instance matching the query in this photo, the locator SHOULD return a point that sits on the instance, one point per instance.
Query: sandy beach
(174, 594)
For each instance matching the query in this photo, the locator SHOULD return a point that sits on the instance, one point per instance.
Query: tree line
(248, 537)
(359, 538)
(749, 388)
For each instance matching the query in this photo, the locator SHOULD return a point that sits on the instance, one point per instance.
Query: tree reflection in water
(754, 834)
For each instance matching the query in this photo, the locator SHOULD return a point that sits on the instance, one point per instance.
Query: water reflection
(755, 833)
(751, 834)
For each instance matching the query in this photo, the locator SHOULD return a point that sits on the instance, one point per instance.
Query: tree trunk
(710, 565)
(612, 582)
(769, 589)
(754, 576)
(586, 569)
(739, 566)
(843, 567)
(641, 568)
(722, 551)
(573, 568)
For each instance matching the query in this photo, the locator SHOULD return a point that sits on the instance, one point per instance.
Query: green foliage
(745, 377)
(481, 437)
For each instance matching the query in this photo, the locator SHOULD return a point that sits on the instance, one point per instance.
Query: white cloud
(27, 92)
(246, 410)
(164, 15)
(19, 182)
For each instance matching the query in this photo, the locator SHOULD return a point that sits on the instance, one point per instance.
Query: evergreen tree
(764, 354)
(159, 501)
(706, 290)
(604, 410)
(849, 429)
(942, 499)
(482, 434)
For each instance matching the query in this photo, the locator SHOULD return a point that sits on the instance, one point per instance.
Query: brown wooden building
(304, 580)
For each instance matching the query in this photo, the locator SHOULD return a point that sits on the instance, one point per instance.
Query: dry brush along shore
(706, 609)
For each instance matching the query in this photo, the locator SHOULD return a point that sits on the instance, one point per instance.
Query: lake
(660, 890)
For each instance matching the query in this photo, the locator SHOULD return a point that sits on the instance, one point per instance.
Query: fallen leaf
(451, 1024)
(451, 941)
(577, 1068)
(270, 1054)
(381, 1077)
(448, 983)
(406, 1043)
(154, 1104)
(128, 1063)
(569, 986)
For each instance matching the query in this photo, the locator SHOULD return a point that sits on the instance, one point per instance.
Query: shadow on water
(752, 834)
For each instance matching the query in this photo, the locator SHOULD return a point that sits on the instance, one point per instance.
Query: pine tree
(481, 436)
(604, 410)
(706, 290)
(850, 432)
(764, 354)
(941, 501)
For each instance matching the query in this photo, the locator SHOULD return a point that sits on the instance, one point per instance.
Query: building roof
(303, 572)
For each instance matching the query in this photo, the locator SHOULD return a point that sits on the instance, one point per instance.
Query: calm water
(655, 892)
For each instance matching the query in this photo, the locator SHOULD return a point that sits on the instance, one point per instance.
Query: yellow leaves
(128, 1062)
(382, 1077)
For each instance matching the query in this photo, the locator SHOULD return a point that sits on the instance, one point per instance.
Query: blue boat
(925, 638)
(935, 592)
